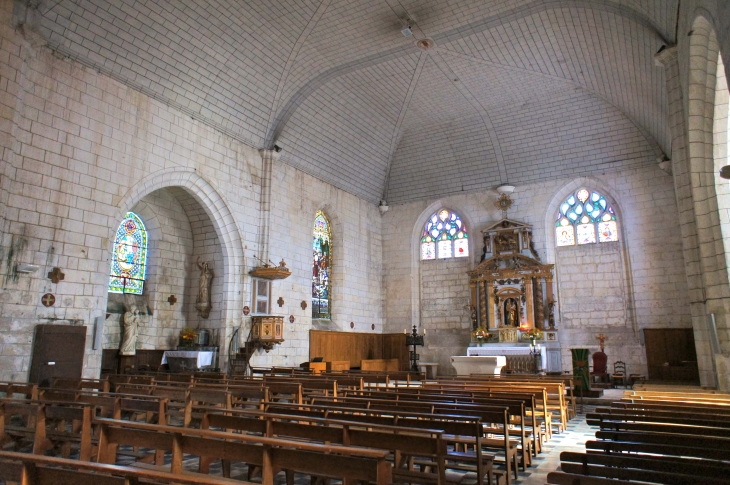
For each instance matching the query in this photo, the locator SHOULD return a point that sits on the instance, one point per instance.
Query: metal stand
(536, 357)
(415, 340)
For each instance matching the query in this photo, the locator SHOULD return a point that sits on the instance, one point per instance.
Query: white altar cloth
(507, 350)
(484, 364)
(203, 357)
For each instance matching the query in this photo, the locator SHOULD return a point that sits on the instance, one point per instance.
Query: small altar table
(182, 360)
(478, 364)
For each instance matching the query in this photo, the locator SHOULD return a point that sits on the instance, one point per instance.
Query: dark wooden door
(671, 354)
(58, 351)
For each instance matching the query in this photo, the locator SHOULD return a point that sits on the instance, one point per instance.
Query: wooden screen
(356, 346)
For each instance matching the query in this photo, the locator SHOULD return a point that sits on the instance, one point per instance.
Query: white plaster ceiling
(515, 90)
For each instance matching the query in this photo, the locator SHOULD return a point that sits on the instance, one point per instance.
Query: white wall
(80, 149)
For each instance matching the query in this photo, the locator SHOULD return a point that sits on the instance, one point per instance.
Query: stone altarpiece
(511, 289)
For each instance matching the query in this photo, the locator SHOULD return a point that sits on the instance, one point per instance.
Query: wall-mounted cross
(56, 275)
(172, 300)
(280, 301)
(601, 338)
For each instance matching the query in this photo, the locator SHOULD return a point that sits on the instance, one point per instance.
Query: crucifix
(601, 338)
(172, 300)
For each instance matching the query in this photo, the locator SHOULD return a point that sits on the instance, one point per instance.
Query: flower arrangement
(532, 334)
(188, 337)
(481, 334)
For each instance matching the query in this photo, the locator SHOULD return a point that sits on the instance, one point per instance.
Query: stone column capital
(666, 55)
(269, 154)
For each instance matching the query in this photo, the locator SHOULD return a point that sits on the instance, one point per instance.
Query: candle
(424, 331)
(405, 332)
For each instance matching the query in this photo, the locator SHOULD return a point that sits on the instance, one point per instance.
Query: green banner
(581, 371)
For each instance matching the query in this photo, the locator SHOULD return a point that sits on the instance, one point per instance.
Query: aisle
(573, 439)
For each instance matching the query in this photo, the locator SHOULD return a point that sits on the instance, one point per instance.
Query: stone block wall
(653, 293)
(80, 149)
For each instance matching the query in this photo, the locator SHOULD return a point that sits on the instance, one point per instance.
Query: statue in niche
(511, 313)
(203, 303)
(131, 326)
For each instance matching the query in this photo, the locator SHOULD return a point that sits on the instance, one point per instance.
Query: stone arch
(209, 198)
(415, 246)
(551, 251)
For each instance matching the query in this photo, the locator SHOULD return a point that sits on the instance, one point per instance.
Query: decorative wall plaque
(48, 300)
(56, 275)
(291, 318)
(246, 310)
(172, 300)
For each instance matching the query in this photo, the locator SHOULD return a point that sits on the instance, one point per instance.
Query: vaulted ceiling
(513, 91)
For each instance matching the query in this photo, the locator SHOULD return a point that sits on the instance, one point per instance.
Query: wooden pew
(101, 385)
(462, 431)
(404, 443)
(48, 425)
(23, 389)
(652, 469)
(483, 411)
(271, 455)
(27, 469)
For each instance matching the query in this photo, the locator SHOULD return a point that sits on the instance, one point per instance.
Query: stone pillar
(268, 157)
(696, 204)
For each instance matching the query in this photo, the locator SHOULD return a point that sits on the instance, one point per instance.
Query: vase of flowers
(188, 338)
(481, 335)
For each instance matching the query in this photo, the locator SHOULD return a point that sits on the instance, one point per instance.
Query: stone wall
(653, 293)
(80, 149)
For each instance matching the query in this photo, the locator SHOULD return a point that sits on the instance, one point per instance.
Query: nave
(293, 427)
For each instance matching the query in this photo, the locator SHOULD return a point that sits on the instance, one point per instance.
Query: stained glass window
(444, 236)
(321, 267)
(585, 217)
(129, 258)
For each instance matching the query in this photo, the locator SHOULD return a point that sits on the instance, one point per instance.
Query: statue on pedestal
(511, 317)
(129, 338)
(203, 303)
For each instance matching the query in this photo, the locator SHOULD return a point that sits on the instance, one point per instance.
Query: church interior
(464, 187)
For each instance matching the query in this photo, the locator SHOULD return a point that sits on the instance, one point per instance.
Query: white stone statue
(131, 326)
(203, 303)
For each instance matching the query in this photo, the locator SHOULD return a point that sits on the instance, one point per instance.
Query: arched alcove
(190, 212)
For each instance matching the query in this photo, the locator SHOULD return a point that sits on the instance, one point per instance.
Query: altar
(478, 364)
(511, 353)
(187, 360)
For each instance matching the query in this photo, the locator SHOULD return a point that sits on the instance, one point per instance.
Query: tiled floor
(573, 439)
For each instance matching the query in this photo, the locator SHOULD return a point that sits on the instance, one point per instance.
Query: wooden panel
(671, 354)
(380, 364)
(112, 361)
(356, 347)
(394, 347)
(58, 351)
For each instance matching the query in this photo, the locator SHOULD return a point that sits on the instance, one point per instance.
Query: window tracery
(585, 217)
(444, 236)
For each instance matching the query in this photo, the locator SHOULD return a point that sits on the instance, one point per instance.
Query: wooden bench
(270, 455)
(22, 389)
(462, 431)
(404, 443)
(27, 469)
(644, 468)
(48, 425)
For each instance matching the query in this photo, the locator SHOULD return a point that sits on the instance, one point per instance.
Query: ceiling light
(407, 32)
